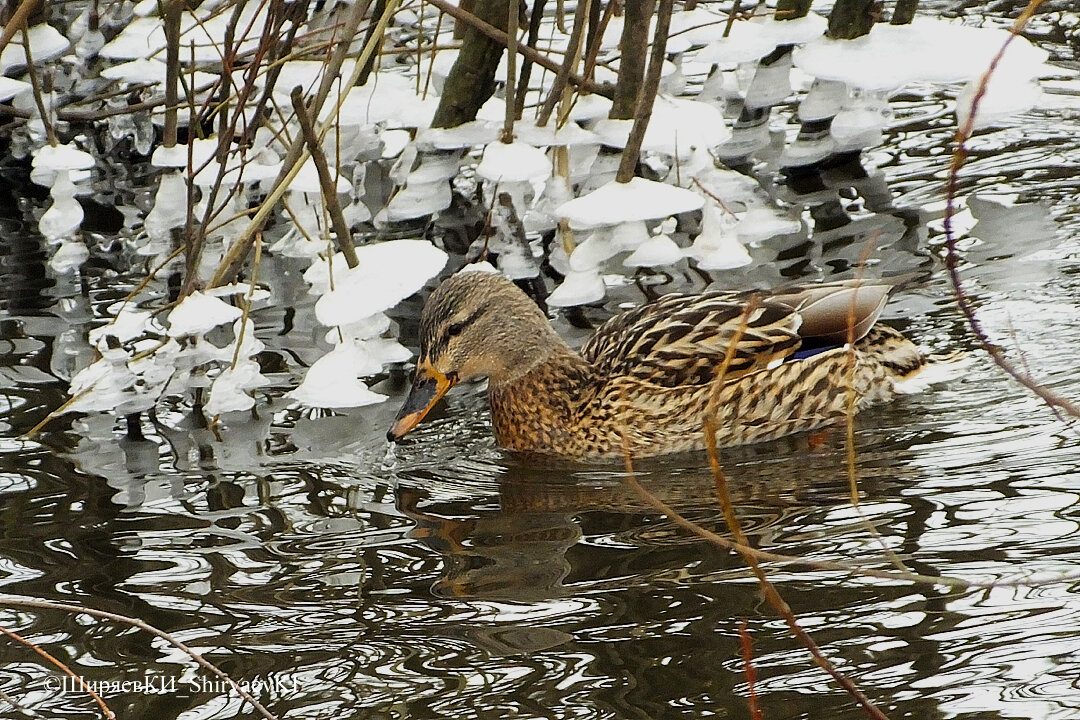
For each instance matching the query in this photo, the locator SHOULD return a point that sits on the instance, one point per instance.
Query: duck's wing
(836, 312)
(681, 340)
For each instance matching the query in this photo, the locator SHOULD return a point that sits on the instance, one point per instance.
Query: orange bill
(429, 385)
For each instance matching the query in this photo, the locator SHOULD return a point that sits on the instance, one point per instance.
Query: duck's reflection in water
(523, 543)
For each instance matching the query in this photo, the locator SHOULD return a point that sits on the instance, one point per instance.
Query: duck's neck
(538, 409)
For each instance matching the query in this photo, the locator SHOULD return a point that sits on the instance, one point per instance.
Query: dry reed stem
(747, 646)
(849, 416)
(63, 668)
(246, 304)
(18, 21)
(750, 556)
(9, 601)
(35, 84)
(952, 254)
(570, 59)
(329, 184)
(770, 592)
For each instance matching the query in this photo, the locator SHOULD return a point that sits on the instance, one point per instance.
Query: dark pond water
(454, 580)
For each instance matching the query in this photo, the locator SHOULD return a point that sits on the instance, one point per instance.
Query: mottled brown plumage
(648, 374)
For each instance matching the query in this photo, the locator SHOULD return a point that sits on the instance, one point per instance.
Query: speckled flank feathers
(649, 372)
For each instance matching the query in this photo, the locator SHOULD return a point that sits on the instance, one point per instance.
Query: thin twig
(849, 568)
(573, 55)
(18, 706)
(297, 153)
(10, 601)
(768, 589)
(63, 668)
(952, 253)
(510, 87)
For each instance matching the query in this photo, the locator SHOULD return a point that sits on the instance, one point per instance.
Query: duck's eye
(455, 329)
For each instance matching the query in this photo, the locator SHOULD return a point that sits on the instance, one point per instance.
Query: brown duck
(648, 373)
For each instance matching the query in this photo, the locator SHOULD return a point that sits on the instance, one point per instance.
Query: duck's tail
(900, 357)
(910, 369)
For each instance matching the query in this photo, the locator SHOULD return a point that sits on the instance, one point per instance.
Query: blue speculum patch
(805, 352)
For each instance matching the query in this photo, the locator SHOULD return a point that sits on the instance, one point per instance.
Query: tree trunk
(792, 9)
(904, 12)
(634, 48)
(850, 19)
(472, 78)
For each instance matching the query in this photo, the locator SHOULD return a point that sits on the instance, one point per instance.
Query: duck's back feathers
(681, 340)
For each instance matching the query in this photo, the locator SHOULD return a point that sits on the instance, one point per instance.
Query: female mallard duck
(648, 373)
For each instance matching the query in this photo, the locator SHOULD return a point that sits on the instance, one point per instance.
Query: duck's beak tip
(404, 423)
(429, 385)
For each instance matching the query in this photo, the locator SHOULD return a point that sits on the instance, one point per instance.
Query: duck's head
(475, 324)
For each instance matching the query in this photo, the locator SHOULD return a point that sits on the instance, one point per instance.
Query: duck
(760, 365)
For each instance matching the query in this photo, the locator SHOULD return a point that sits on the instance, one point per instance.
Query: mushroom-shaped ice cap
(639, 199)
(128, 325)
(695, 27)
(676, 127)
(657, 251)
(153, 72)
(482, 266)
(61, 157)
(46, 43)
(746, 43)
(1004, 96)
(951, 52)
(569, 134)
(198, 314)
(228, 393)
(589, 107)
(332, 382)
(176, 156)
(9, 88)
(717, 247)
(386, 99)
(794, 31)
(466, 135)
(928, 50)
(388, 272)
(578, 288)
(140, 38)
(513, 162)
